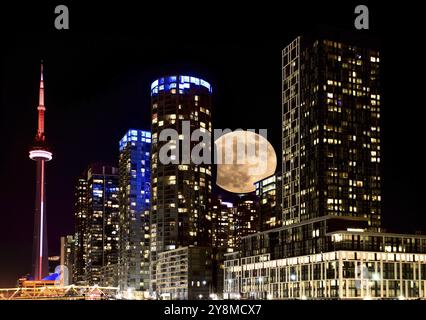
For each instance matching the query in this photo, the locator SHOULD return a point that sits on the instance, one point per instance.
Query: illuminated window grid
(327, 275)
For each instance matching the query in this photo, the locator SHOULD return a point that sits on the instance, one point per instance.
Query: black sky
(98, 75)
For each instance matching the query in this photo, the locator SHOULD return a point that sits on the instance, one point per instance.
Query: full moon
(245, 158)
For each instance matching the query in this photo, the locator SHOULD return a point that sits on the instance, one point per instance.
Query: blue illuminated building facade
(134, 199)
(175, 83)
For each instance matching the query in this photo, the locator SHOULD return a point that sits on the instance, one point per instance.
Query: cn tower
(40, 154)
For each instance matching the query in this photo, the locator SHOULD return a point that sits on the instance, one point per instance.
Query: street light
(213, 296)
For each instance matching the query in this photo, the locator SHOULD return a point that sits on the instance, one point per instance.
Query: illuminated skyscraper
(102, 224)
(331, 130)
(269, 192)
(181, 192)
(224, 238)
(223, 227)
(80, 232)
(40, 153)
(134, 200)
(246, 217)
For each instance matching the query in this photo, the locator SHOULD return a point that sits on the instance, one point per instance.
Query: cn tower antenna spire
(41, 108)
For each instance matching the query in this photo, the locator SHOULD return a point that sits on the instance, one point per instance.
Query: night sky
(97, 83)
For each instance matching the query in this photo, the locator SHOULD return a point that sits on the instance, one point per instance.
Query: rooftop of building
(178, 82)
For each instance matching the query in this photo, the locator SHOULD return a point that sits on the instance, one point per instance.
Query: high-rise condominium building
(134, 200)
(223, 224)
(224, 238)
(269, 193)
(330, 244)
(181, 189)
(80, 225)
(100, 235)
(331, 130)
(246, 217)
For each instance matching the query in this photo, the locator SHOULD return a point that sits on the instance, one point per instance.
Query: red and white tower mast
(41, 154)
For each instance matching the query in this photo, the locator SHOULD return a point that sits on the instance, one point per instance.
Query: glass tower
(80, 223)
(246, 217)
(331, 130)
(269, 192)
(181, 192)
(134, 199)
(102, 226)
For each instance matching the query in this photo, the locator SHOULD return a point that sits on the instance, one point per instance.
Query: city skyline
(130, 82)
